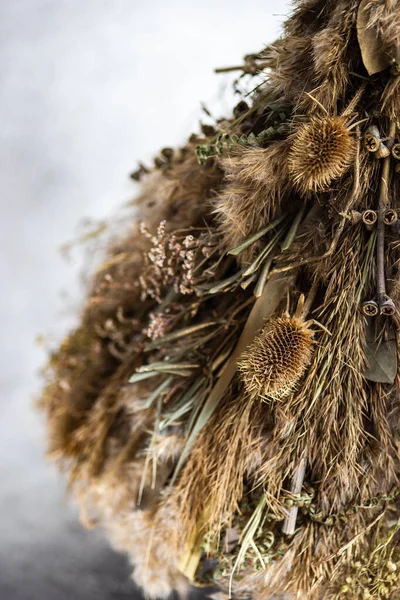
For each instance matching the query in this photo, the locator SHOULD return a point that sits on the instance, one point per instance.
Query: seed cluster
(273, 364)
(170, 262)
(321, 151)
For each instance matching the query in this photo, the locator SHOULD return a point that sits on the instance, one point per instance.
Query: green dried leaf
(255, 265)
(165, 367)
(258, 290)
(221, 286)
(254, 238)
(381, 356)
(189, 399)
(157, 392)
(136, 377)
(287, 242)
(246, 282)
(176, 335)
(157, 368)
(382, 361)
(177, 414)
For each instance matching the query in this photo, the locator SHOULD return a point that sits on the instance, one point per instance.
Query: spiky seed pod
(272, 365)
(321, 151)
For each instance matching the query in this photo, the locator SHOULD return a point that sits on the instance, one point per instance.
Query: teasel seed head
(273, 364)
(321, 151)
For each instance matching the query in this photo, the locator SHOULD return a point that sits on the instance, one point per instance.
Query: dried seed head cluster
(321, 151)
(278, 357)
(170, 262)
(158, 325)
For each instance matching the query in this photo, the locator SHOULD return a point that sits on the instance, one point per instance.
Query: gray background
(87, 88)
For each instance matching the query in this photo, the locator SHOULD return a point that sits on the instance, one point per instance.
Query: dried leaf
(176, 335)
(190, 558)
(381, 356)
(254, 238)
(372, 51)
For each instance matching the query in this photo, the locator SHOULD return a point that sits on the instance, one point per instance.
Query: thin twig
(310, 298)
(383, 204)
(229, 69)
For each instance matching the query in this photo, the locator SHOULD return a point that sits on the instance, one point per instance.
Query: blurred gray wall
(87, 88)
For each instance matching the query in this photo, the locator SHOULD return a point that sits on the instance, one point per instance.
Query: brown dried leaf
(373, 53)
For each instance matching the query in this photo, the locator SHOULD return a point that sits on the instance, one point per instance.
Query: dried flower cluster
(169, 262)
(156, 402)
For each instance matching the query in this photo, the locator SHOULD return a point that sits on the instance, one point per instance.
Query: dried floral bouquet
(228, 408)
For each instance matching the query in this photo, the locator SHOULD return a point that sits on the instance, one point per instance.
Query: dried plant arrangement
(228, 408)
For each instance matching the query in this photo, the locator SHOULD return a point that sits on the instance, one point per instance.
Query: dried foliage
(378, 34)
(213, 436)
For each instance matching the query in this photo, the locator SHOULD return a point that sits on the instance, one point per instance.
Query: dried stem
(229, 69)
(355, 100)
(310, 298)
(252, 65)
(289, 524)
(383, 205)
